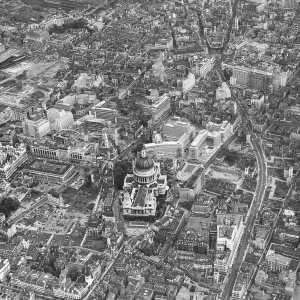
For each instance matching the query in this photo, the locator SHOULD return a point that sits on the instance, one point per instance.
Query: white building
(175, 129)
(230, 230)
(215, 138)
(36, 128)
(142, 187)
(4, 269)
(6, 115)
(240, 287)
(2, 48)
(198, 144)
(224, 128)
(165, 149)
(176, 136)
(59, 119)
(223, 92)
(11, 159)
(86, 81)
(206, 66)
(159, 106)
(188, 83)
(257, 100)
(277, 262)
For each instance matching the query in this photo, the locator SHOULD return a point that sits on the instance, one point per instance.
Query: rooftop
(48, 167)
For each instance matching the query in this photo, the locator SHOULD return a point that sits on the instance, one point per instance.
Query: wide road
(258, 198)
(102, 276)
(262, 174)
(273, 228)
(128, 150)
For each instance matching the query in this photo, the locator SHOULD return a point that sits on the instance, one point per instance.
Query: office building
(230, 230)
(257, 100)
(36, 128)
(206, 66)
(55, 172)
(214, 138)
(197, 145)
(158, 106)
(175, 129)
(277, 262)
(165, 149)
(251, 78)
(239, 288)
(224, 128)
(175, 137)
(193, 185)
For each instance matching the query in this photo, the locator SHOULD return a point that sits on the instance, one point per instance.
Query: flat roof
(48, 167)
(201, 135)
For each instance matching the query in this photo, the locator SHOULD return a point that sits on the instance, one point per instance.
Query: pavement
(99, 280)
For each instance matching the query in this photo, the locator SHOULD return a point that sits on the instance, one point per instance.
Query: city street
(258, 198)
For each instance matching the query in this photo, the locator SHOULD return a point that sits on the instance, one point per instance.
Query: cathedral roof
(143, 162)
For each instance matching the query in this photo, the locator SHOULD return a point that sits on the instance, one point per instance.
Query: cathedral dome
(143, 162)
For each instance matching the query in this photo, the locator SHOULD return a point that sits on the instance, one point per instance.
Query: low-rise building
(56, 172)
(36, 128)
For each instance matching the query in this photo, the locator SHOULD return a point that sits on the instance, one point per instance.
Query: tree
(74, 273)
(144, 120)
(160, 237)
(187, 205)
(179, 153)
(120, 172)
(54, 250)
(192, 289)
(8, 205)
(88, 180)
